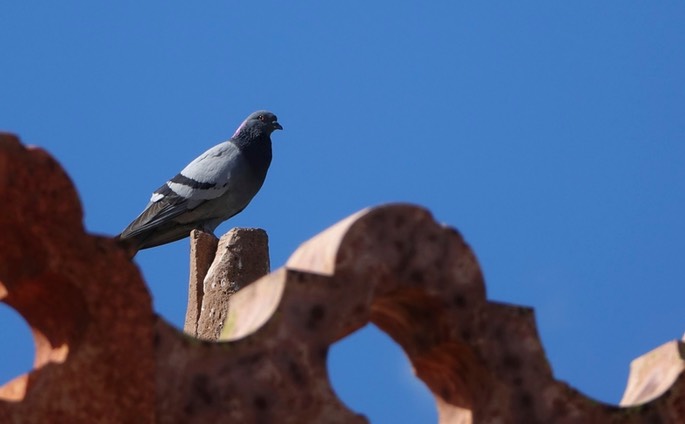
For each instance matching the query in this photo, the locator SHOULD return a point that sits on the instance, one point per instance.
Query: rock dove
(212, 188)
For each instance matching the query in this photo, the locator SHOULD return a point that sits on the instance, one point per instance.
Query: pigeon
(215, 186)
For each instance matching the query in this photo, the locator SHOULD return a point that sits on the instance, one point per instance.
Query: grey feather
(211, 189)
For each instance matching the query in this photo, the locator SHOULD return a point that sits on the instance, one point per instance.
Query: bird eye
(261, 118)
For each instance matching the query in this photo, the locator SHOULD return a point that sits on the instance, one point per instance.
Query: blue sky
(551, 134)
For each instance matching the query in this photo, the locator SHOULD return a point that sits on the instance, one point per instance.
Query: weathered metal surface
(89, 310)
(241, 257)
(202, 251)
(103, 356)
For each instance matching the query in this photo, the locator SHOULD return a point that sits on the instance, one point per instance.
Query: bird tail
(130, 245)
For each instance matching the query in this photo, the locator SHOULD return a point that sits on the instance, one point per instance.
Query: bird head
(261, 121)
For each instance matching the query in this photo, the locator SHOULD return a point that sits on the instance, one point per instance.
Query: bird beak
(277, 126)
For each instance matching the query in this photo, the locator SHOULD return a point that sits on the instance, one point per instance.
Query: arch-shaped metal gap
(17, 349)
(372, 375)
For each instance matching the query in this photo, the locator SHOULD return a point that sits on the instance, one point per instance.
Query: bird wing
(204, 179)
(164, 208)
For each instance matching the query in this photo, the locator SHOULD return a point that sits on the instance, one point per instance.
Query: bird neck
(257, 151)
